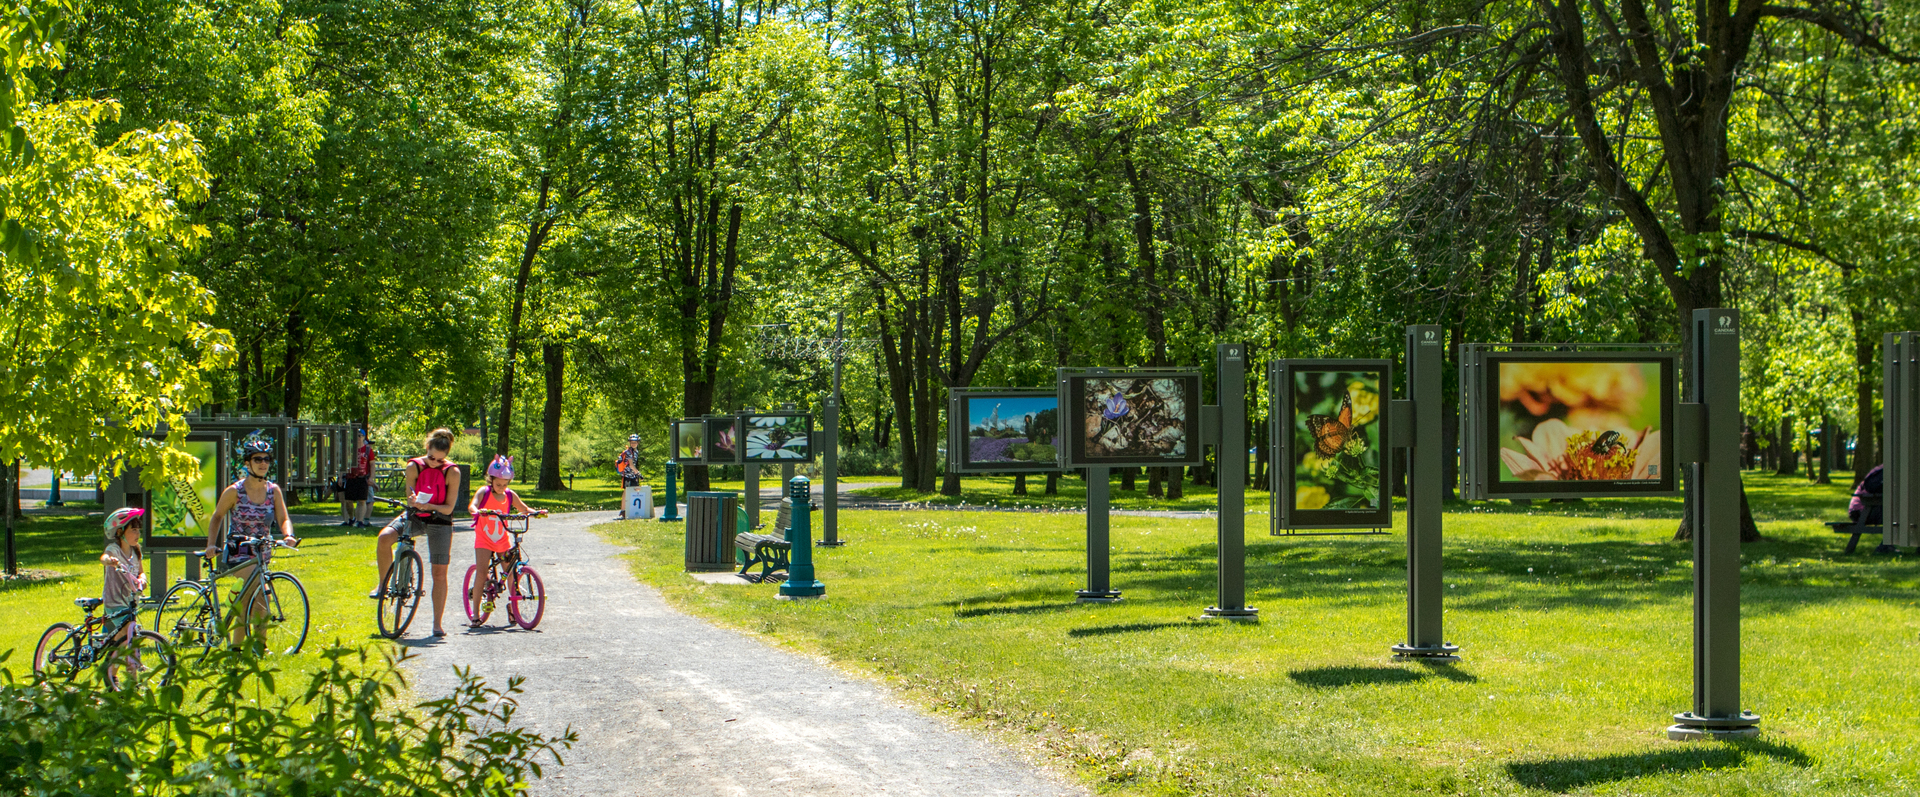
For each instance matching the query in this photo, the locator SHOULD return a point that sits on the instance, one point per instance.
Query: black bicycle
(190, 613)
(131, 655)
(406, 579)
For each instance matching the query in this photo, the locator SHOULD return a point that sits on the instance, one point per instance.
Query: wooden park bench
(1868, 506)
(767, 551)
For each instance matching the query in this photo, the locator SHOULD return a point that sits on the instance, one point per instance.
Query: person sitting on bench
(1870, 487)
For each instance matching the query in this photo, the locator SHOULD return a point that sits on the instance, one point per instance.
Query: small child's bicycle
(132, 656)
(508, 574)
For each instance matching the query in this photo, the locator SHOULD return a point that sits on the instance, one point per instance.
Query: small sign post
(1099, 584)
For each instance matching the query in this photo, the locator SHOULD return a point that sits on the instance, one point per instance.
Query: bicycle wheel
(186, 617)
(529, 598)
(287, 614)
(477, 610)
(403, 594)
(143, 660)
(58, 654)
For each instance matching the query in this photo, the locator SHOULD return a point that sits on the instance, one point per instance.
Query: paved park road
(666, 704)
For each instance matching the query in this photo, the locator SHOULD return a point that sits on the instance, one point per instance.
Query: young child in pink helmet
(489, 531)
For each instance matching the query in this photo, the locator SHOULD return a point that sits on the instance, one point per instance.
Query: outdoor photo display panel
(723, 440)
(1573, 424)
(777, 437)
(996, 430)
(1332, 444)
(689, 439)
(177, 511)
(1126, 418)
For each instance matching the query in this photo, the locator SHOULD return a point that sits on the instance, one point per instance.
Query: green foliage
(105, 336)
(231, 726)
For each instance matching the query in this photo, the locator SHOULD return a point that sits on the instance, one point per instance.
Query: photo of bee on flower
(1337, 445)
(1579, 421)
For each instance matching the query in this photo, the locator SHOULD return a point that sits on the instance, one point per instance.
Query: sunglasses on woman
(267, 460)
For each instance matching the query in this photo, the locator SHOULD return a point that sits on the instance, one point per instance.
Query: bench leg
(1853, 541)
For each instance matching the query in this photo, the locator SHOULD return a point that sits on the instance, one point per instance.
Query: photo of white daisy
(778, 438)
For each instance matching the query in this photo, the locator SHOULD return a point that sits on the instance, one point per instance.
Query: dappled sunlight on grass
(1575, 623)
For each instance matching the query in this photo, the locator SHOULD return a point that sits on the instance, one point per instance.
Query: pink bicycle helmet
(120, 519)
(501, 468)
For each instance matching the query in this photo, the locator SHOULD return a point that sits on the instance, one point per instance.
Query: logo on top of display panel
(1726, 326)
(1430, 341)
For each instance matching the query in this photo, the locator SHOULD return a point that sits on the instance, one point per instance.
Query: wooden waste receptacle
(709, 534)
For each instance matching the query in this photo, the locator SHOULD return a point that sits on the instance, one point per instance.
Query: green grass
(1575, 621)
(334, 564)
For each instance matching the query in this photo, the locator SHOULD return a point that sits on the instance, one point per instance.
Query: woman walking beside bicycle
(257, 508)
(433, 485)
(489, 531)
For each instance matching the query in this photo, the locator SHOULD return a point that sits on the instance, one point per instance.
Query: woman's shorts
(439, 537)
(357, 488)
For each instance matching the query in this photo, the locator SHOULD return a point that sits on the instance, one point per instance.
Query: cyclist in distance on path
(628, 464)
(257, 509)
(490, 532)
(432, 485)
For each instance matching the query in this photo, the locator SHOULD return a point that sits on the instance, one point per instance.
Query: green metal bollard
(672, 515)
(800, 582)
(53, 497)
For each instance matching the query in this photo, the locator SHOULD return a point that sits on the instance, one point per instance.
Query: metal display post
(1426, 356)
(800, 582)
(1713, 375)
(6, 505)
(1099, 588)
(752, 476)
(1900, 403)
(830, 467)
(1230, 448)
(672, 515)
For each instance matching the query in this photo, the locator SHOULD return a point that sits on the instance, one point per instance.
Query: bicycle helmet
(120, 519)
(633, 438)
(502, 468)
(257, 445)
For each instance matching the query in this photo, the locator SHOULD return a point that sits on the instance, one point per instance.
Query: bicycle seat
(88, 604)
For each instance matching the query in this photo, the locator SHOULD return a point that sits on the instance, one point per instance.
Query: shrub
(222, 727)
(869, 461)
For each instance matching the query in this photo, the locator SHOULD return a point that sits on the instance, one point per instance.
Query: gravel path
(666, 704)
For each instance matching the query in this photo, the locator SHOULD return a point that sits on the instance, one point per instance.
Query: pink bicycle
(507, 575)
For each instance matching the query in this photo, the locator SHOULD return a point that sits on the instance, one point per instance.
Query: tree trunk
(556, 361)
(1175, 490)
(1784, 457)
(243, 395)
(1128, 479)
(536, 237)
(295, 359)
(1865, 455)
(1019, 483)
(1826, 450)
(1053, 484)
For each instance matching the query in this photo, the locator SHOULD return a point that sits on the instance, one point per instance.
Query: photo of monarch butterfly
(1333, 421)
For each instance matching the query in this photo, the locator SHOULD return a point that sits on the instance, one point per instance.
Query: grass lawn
(1575, 622)
(334, 564)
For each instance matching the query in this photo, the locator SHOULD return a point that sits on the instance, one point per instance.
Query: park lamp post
(672, 514)
(800, 583)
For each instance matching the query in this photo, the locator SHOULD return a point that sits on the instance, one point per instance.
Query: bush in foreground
(224, 727)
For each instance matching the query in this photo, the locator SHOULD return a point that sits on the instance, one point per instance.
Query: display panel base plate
(1443, 653)
(1096, 596)
(1246, 615)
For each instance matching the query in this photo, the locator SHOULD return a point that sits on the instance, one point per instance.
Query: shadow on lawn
(1784, 575)
(1337, 677)
(1130, 628)
(998, 610)
(1568, 774)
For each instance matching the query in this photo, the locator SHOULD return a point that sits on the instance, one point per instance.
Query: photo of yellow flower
(1579, 421)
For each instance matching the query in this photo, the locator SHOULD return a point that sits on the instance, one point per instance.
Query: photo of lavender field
(1015, 432)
